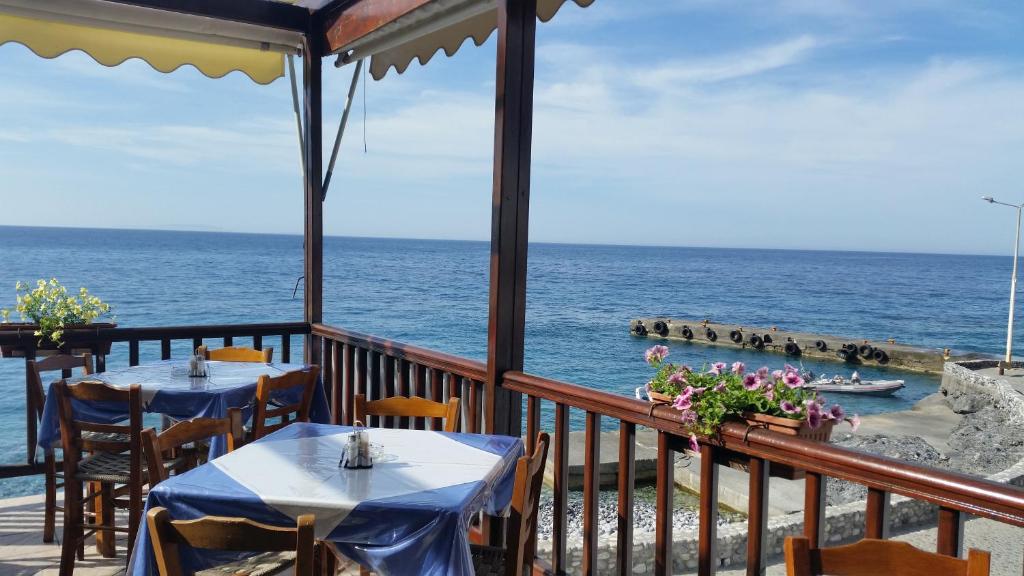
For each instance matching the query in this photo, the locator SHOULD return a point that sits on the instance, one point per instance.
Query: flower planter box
(787, 426)
(47, 347)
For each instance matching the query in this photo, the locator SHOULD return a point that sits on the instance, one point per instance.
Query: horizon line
(487, 241)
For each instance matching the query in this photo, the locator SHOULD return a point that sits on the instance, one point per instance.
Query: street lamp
(1006, 363)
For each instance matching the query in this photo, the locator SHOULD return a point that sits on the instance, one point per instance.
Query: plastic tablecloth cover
(167, 389)
(407, 515)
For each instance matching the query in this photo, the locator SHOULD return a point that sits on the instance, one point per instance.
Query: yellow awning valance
(112, 33)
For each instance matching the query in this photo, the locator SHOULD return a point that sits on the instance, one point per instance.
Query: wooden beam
(356, 20)
(312, 83)
(510, 202)
(270, 14)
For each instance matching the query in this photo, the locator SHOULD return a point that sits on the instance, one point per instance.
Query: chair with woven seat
(414, 407)
(269, 405)
(107, 455)
(281, 547)
(180, 447)
(237, 354)
(516, 559)
(869, 556)
(65, 363)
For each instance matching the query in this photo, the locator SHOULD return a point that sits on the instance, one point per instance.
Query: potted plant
(776, 399)
(48, 310)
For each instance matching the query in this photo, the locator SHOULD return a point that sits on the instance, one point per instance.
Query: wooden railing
(355, 363)
(167, 338)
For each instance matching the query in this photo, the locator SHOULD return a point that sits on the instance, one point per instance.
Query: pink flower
(677, 378)
(777, 375)
(854, 422)
(693, 443)
(688, 416)
(655, 354)
(769, 393)
(683, 402)
(750, 382)
(717, 368)
(699, 391)
(836, 412)
(813, 418)
(762, 372)
(720, 387)
(738, 367)
(788, 407)
(793, 380)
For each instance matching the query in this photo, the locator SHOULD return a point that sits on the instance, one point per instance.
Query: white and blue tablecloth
(168, 389)
(407, 515)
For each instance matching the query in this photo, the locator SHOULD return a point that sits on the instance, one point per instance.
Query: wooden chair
(868, 557)
(515, 559)
(267, 408)
(53, 478)
(414, 407)
(237, 354)
(114, 463)
(232, 534)
(179, 447)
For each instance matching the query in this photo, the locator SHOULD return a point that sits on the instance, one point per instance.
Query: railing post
(627, 475)
(877, 514)
(591, 491)
(513, 133)
(814, 508)
(707, 528)
(950, 537)
(665, 489)
(757, 517)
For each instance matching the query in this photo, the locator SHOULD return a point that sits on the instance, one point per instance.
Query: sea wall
(843, 522)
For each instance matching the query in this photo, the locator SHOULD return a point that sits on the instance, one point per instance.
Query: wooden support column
(313, 309)
(513, 134)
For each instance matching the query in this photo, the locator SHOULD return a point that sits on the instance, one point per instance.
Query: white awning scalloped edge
(112, 32)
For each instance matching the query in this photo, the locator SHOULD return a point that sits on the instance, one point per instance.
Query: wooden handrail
(78, 335)
(977, 496)
(464, 367)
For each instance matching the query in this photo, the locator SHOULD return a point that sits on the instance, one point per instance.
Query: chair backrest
(868, 557)
(288, 413)
(231, 534)
(414, 407)
(106, 437)
(237, 354)
(63, 362)
(522, 522)
(173, 441)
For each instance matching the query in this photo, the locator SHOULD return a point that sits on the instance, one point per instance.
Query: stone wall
(842, 522)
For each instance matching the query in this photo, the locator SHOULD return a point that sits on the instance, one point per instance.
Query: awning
(439, 25)
(111, 33)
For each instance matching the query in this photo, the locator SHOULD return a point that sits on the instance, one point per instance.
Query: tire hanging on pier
(710, 335)
(756, 342)
(736, 336)
(661, 329)
(792, 349)
(881, 356)
(687, 333)
(821, 345)
(866, 351)
(640, 329)
(767, 339)
(851, 350)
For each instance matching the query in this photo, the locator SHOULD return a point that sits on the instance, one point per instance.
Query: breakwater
(850, 350)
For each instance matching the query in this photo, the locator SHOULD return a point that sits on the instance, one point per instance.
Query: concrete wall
(842, 523)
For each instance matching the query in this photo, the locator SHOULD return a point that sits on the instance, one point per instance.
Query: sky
(822, 124)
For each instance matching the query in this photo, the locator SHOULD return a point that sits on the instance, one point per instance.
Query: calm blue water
(580, 298)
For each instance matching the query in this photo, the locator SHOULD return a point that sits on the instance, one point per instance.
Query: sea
(580, 299)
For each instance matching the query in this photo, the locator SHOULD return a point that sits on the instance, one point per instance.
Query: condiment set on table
(357, 450)
(197, 366)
